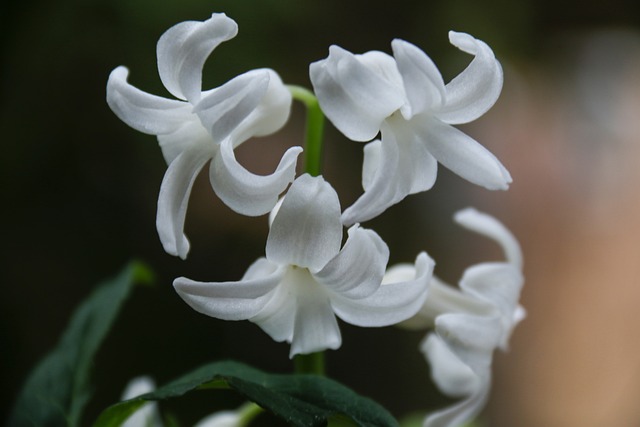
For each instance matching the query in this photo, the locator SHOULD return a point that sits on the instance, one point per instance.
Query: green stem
(309, 363)
(248, 412)
(314, 129)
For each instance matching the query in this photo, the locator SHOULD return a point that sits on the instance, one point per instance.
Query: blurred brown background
(79, 190)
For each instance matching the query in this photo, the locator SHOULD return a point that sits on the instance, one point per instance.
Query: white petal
(487, 225)
(498, 284)
(221, 419)
(245, 192)
(239, 300)
(391, 303)
(306, 231)
(477, 88)
(422, 81)
(451, 375)
(191, 135)
(397, 166)
(298, 311)
(471, 337)
(183, 49)
(174, 199)
(462, 154)
(442, 299)
(142, 111)
(270, 114)
(147, 415)
(354, 95)
(455, 379)
(315, 326)
(224, 108)
(356, 272)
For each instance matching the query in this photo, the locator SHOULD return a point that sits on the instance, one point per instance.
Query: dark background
(79, 188)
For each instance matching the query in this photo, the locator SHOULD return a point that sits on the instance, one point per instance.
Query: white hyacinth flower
(404, 97)
(202, 126)
(306, 279)
(469, 322)
(147, 415)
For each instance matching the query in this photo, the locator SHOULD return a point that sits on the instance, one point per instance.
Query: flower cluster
(308, 277)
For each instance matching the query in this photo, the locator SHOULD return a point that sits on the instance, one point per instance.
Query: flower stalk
(314, 129)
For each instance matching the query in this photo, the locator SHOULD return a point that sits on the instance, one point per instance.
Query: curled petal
(470, 337)
(307, 231)
(269, 115)
(422, 81)
(455, 379)
(393, 168)
(183, 49)
(356, 272)
(245, 192)
(239, 300)
(463, 155)
(476, 89)
(391, 303)
(142, 111)
(354, 95)
(174, 198)
(224, 108)
(487, 225)
(497, 284)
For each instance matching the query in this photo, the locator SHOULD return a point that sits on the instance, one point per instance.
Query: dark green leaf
(301, 400)
(57, 390)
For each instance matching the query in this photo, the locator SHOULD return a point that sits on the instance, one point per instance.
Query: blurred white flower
(404, 97)
(305, 280)
(203, 126)
(470, 322)
(147, 415)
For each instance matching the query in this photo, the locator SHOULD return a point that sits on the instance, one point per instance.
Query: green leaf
(301, 400)
(58, 389)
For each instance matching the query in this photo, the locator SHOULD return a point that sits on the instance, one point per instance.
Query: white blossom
(469, 322)
(306, 279)
(404, 97)
(205, 126)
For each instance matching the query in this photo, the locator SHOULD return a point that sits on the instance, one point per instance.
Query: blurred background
(79, 193)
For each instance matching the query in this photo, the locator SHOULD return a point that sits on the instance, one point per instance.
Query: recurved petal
(239, 300)
(470, 94)
(307, 231)
(355, 96)
(224, 108)
(393, 168)
(356, 272)
(498, 284)
(462, 154)
(472, 338)
(245, 192)
(174, 198)
(391, 303)
(456, 379)
(422, 81)
(183, 49)
(487, 225)
(142, 111)
(270, 114)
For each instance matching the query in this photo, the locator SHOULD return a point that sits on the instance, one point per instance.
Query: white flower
(147, 415)
(203, 126)
(469, 322)
(305, 280)
(404, 97)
